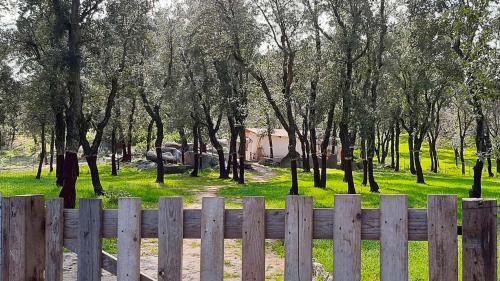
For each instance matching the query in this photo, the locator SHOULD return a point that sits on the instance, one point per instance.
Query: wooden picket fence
(35, 232)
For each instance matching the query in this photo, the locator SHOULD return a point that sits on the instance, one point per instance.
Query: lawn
(131, 182)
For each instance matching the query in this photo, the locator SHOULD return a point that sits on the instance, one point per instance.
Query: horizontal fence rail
(34, 235)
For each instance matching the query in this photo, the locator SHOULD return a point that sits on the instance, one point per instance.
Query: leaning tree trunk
(212, 134)
(94, 173)
(418, 165)
(42, 153)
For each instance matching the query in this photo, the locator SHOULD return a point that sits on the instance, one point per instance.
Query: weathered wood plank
(442, 232)
(170, 239)
(479, 242)
(394, 237)
(129, 239)
(347, 238)
(212, 239)
(54, 240)
(292, 238)
(90, 242)
(253, 241)
(305, 238)
(274, 220)
(25, 238)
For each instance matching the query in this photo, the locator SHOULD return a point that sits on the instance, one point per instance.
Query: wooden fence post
(170, 238)
(3, 231)
(54, 227)
(479, 240)
(129, 239)
(443, 239)
(212, 239)
(253, 239)
(90, 240)
(347, 238)
(23, 238)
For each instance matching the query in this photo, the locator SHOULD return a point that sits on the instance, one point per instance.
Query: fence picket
(170, 233)
(90, 241)
(3, 234)
(54, 226)
(212, 239)
(129, 239)
(442, 233)
(480, 226)
(347, 237)
(394, 237)
(298, 238)
(253, 239)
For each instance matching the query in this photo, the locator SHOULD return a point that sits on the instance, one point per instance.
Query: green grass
(131, 182)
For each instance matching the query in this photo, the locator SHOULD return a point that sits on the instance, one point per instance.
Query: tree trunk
(269, 136)
(70, 174)
(149, 135)
(184, 144)
(52, 140)
(314, 156)
(462, 156)
(42, 153)
(498, 164)
(347, 151)
(455, 150)
(114, 171)
(73, 112)
(233, 154)
(160, 170)
(196, 156)
(130, 132)
(60, 131)
(490, 168)
(393, 164)
(242, 154)
(94, 174)
(220, 153)
(293, 155)
(396, 146)
(412, 158)
(365, 162)
(418, 165)
(325, 142)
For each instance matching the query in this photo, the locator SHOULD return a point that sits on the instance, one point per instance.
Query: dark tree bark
(326, 141)
(128, 156)
(269, 135)
(242, 154)
(396, 145)
(149, 135)
(457, 155)
(233, 153)
(43, 152)
(60, 131)
(73, 112)
(393, 164)
(412, 154)
(418, 165)
(365, 162)
(114, 170)
(196, 154)
(52, 140)
(184, 144)
(91, 151)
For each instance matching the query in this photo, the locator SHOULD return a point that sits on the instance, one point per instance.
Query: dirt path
(191, 248)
